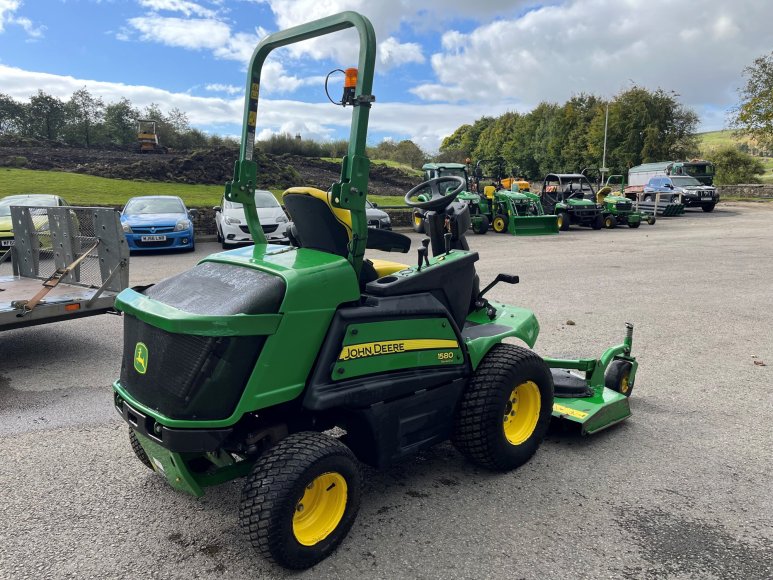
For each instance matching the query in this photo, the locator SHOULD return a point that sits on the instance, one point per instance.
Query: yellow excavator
(147, 137)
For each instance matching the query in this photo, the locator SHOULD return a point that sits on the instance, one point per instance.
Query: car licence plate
(153, 238)
(7, 242)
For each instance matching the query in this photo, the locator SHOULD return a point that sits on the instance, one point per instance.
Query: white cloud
(600, 46)
(183, 6)
(392, 53)
(424, 124)
(8, 8)
(221, 88)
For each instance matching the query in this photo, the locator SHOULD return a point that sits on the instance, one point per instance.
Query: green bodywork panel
(513, 321)
(377, 347)
(174, 466)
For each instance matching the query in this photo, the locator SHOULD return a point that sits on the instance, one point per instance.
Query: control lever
(423, 253)
(481, 302)
(447, 238)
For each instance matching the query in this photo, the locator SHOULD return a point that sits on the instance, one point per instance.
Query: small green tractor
(241, 366)
(511, 211)
(618, 210)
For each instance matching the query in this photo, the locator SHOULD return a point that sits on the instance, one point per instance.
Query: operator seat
(318, 225)
(602, 194)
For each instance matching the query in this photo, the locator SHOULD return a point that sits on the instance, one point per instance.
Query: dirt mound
(212, 166)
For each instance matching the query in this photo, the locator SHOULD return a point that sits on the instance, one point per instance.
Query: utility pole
(604, 169)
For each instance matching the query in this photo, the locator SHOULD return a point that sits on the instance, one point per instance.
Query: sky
(439, 64)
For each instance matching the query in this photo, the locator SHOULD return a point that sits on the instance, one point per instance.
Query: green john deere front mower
(241, 366)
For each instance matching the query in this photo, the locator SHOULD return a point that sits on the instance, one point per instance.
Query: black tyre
(300, 499)
(482, 226)
(418, 222)
(505, 411)
(598, 222)
(648, 198)
(651, 220)
(634, 225)
(139, 451)
(499, 225)
(563, 221)
(709, 207)
(610, 222)
(219, 235)
(617, 377)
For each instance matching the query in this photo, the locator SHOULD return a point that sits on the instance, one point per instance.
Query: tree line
(84, 120)
(643, 126)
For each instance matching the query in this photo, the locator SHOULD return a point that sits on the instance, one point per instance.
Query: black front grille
(187, 376)
(199, 377)
(153, 230)
(158, 244)
(266, 229)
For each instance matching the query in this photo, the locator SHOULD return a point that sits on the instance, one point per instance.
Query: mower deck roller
(240, 366)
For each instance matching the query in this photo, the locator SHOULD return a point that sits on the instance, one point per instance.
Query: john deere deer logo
(141, 358)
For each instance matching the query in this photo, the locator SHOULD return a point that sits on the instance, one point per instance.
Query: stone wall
(752, 190)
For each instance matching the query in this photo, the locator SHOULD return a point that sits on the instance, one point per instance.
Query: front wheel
(610, 222)
(598, 222)
(617, 377)
(139, 451)
(300, 499)
(499, 225)
(505, 410)
(709, 207)
(563, 221)
(482, 226)
(634, 225)
(651, 220)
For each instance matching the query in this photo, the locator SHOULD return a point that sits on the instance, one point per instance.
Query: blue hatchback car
(157, 222)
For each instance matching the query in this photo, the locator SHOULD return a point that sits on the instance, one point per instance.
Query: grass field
(88, 190)
(389, 163)
(713, 140)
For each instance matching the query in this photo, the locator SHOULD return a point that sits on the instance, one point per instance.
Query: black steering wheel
(437, 200)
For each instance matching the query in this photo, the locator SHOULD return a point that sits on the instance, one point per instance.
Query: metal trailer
(66, 262)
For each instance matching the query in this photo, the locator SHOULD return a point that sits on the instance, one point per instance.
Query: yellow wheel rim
(624, 386)
(499, 225)
(417, 220)
(521, 412)
(321, 509)
(560, 221)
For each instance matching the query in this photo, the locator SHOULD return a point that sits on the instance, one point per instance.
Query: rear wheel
(499, 225)
(301, 499)
(418, 222)
(598, 222)
(563, 221)
(482, 226)
(219, 236)
(505, 411)
(139, 451)
(709, 207)
(610, 222)
(617, 377)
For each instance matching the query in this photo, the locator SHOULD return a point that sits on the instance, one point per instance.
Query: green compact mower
(618, 210)
(241, 366)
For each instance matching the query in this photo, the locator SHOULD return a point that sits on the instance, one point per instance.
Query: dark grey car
(692, 192)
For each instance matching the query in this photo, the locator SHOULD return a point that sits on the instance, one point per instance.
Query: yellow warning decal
(366, 349)
(561, 409)
(254, 91)
(252, 118)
